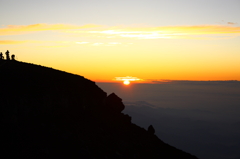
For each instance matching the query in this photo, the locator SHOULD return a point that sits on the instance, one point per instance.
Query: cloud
(6, 42)
(159, 81)
(116, 32)
(231, 23)
(23, 29)
(168, 32)
(61, 43)
(113, 44)
(162, 32)
(139, 104)
(106, 44)
(54, 46)
(127, 78)
(217, 82)
(9, 42)
(97, 44)
(82, 42)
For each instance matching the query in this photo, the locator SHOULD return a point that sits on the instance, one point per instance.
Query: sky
(151, 40)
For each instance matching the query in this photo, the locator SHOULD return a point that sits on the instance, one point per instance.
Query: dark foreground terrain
(46, 113)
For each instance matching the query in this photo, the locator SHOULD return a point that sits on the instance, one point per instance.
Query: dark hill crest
(47, 113)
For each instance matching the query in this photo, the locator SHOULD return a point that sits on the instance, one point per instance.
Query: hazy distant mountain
(47, 113)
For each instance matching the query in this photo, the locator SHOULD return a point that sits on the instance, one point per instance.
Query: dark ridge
(47, 113)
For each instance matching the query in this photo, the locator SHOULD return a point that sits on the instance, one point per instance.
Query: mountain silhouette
(47, 113)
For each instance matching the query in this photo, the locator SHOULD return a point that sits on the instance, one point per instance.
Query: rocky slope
(47, 113)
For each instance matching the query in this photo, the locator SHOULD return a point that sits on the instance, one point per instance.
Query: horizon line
(166, 81)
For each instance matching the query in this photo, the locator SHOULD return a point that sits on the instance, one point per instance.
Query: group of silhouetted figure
(7, 56)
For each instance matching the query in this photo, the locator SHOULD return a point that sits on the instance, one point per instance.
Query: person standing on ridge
(13, 57)
(7, 55)
(1, 56)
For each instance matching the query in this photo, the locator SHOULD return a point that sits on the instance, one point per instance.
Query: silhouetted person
(151, 130)
(1, 56)
(7, 55)
(13, 57)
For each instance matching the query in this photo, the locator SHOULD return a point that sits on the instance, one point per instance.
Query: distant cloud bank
(101, 31)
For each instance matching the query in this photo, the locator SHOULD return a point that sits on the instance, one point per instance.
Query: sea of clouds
(202, 118)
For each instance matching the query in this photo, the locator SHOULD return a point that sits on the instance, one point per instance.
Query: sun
(126, 82)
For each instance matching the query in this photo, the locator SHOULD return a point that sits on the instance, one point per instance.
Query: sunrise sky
(146, 39)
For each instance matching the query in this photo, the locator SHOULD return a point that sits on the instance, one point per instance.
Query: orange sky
(143, 41)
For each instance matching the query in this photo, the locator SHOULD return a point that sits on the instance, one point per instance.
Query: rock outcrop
(151, 130)
(114, 104)
(46, 113)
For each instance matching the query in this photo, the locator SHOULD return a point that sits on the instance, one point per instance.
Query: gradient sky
(147, 39)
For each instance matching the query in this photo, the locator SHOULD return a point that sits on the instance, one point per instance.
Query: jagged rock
(114, 103)
(151, 130)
